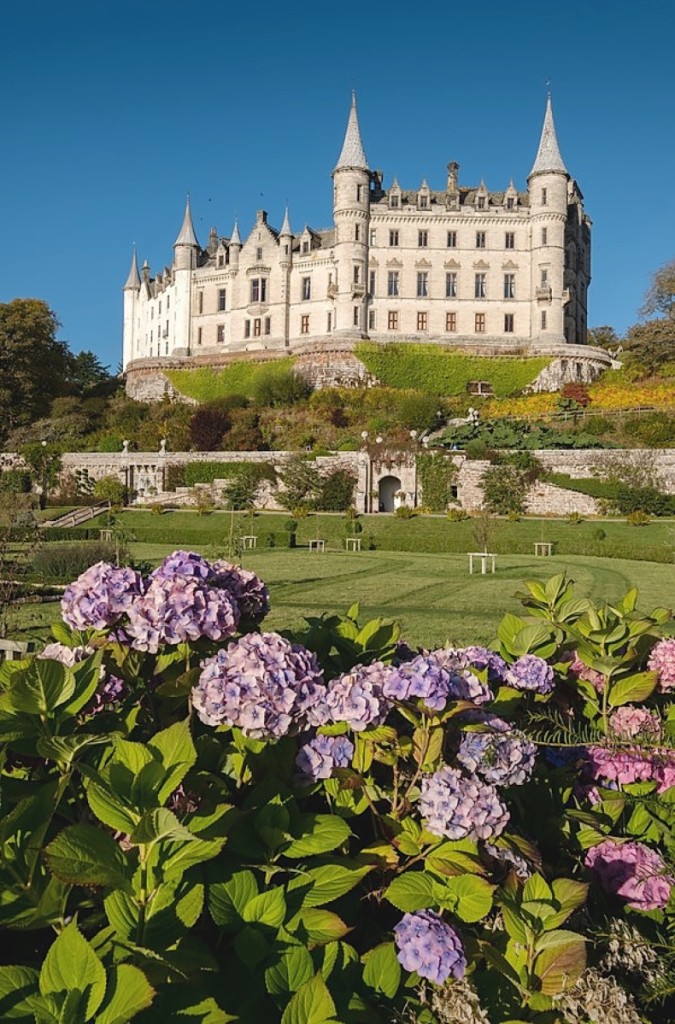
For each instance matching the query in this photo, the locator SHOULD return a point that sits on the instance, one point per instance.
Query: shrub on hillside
(244, 434)
(109, 488)
(504, 489)
(272, 387)
(649, 500)
(15, 481)
(207, 426)
(436, 472)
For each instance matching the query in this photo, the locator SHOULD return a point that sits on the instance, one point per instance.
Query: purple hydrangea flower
(483, 658)
(633, 871)
(111, 693)
(431, 947)
(512, 860)
(435, 678)
(530, 672)
(357, 697)
(248, 590)
(503, 759)
(662, 661)
(317, 759)
(459, 807)
(183, 563)
(68, 656)
(100, 596)
(264, 685)
(173, 611)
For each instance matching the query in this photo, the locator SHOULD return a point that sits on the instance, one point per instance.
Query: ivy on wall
(436, 473)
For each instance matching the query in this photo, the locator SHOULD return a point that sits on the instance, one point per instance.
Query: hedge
(238, 378)
(178, 475)
(443, 372)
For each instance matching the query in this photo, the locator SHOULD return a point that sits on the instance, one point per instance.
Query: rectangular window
(543, 319)
(268, 325)
(392, 320)
(479, 288)
(392, 283)
(393, 202)
(480, 203)
(355, 319)
(508, 323)
(168, 302)
(166, 349)
(259, 289)
(509, 240)
(451, 285)
(200, 302)
(257, 327)
(357, 274)
(305, 247)
(422, 239)
(393, 238)
(359, 192)
(509, 286)
(422, 284)
(371, 287)
(371, 319)
(510, 203)
(544, 197)
(221, 300)
(373, 237)
(306, 288)
(544, 236)
(451, 322)
(544, 278)
(258, 254)
(421, 321)
(247, 328)
(357, 232)
(452, 239)
(479, 323)
(221, 260)
(159, 311)
(424, 202)
(304, 325)
(329, 323)
(220, 333)
(480, 239)
(199, 335)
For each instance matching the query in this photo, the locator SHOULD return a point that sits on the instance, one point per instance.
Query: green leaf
(318, 925)
(228, 899)
(128, 992)
(382, 971)
(160, 824)
(533, 639)
(411, 891)
(18, 986)
(41, 687)
(537, 888)
(353, 612)
(318, 833)
(71, 965)
(176, 751)
(455, 857)
(123, 914)
(467, 896)
(311, 1004)
(110, 809)
(66, 748)
(292, 966)
(570, 895)
(83, 855)
(633, 688)
(251, 946)
(561, 960)
(328, 882)
(268, 908)
(509, 628)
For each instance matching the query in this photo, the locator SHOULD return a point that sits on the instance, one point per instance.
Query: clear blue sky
(112, 111)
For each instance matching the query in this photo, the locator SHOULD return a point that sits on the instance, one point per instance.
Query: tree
(207, 426)
(88, 375)
(34, 366)
(301, 483)
(660, 298)
(603, 337)
(651, 345)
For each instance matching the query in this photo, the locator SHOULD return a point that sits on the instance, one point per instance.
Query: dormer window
(394, 201)
(424, 203)
(305, 247)
(221, 259)
(258, 254)
(510, 203)
(480, 202)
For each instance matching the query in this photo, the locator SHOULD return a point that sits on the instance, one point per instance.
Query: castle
(462, 265)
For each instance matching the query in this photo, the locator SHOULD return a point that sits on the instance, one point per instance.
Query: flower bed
(205, 821)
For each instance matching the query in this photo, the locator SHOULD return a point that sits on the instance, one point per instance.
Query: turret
(351, 214)
(186, 246)
(547, 185)
(235, 246)
(186, 250)
(132, 288)
(286, 240)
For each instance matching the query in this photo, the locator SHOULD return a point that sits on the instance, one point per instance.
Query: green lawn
(432, 595)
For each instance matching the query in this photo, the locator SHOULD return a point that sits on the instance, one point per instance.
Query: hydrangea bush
(204, 821)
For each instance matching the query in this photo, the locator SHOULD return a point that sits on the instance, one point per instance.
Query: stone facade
(459, 264)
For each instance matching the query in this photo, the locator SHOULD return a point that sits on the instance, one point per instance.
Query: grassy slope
(432, 596)
(239, 378)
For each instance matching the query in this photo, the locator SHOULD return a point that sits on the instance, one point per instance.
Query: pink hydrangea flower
(627, 722)
(662, 661)
(589, 675)
(632, 871)
(622, 766)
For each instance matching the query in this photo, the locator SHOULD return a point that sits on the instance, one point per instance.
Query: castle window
(356, 316)
(544, 278)
(305, 247)
(200, 302)
(422, 321)
(479, 289)
(373, 237)
(285, 250)
(451, 285)
(159, 311)
(393, 238)
(480, 202)
(357, 274)
(451, 322)
(306, 288)
(199, 335)
(544, 197)
(166, 348)
(544, 236)
(221, 260)
(359, 193)
(422, 239)
(509, 286)
(329, 323)
(221, 300)
(268, 325)
(258, 254)
(543, 319)
(259, 289)
(392, 283)
(509, 240)
(304, 325)
(422, 284)
(508, 323)
(479, 323)
(371, 319)
(480, 239)
(257, 327)
(220, 335)
(392, 320)
(393, 202)
(578, 369)
(357, 232)
(510, 203)
(371, 287)
(168, 302)
(452, 239)
(423, 202)
(247, 328)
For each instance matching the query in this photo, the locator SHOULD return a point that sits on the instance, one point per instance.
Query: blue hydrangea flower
(459, 807)
(317, 759)
(264, 685)
(357, 697)
(481, 658)
(435, 678)
(426, 944)
(530, 672)
(503, 759)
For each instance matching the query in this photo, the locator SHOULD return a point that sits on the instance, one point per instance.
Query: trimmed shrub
(337, 491)
(504, 490)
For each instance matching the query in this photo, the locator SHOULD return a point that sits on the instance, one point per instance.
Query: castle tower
(351, 214)
(185, 252)
(235, 246)
(547, 186)
(286, 263)
(131, 289)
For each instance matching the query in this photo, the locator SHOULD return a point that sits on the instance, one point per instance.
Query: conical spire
(134, 279)
(548, 159)
(352, 154)
(187, 232)
(235, 239)
(286, 226)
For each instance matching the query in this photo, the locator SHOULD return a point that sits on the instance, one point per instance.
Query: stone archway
(386, 489)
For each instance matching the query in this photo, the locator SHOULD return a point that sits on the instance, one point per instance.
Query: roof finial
(187, 235)
(548, 159)
(352, 154)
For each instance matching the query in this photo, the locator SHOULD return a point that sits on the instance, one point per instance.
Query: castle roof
(286, 226)
(352, 154)
(187, 235)
(548, 159)
(236, 238)
(466, 194)
(134, 278)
